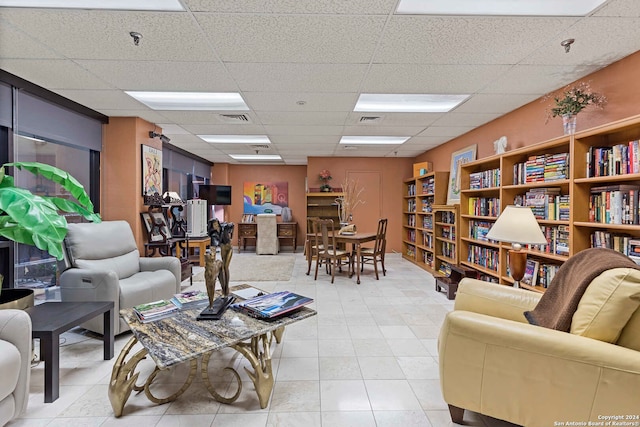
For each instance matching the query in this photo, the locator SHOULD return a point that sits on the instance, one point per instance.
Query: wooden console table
(249, 230)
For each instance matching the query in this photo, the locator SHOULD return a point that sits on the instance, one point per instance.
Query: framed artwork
(154, 232)
(458, 158)
(265, 197)
(151, 170)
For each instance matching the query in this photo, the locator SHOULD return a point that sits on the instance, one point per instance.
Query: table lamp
(518, 226)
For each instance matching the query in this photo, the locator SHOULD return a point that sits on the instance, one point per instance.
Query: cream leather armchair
(492, 361)
(106, 266)
(15, 363)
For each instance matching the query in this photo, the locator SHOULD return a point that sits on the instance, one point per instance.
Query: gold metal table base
(257, 352)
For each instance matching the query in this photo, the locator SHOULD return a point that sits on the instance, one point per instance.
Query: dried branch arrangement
(349, 200)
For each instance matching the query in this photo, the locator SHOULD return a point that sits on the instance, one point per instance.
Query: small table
(202, 243)
(50, 319)
(356, 241)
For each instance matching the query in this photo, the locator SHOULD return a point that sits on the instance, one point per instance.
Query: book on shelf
(156, 310)
(273, 305)
(531, 272)
(190, 299)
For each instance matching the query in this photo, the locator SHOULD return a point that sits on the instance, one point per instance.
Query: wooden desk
(356, 242)
(249, 230)
(202, 243)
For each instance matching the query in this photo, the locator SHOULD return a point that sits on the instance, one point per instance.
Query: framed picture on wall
(151, 170)
(153, 233)
(458, 158)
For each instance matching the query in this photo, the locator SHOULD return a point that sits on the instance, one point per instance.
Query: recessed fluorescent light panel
(190, 100)
(373, 140)
(255, 156)
(499, 7)
(236, 139)
(96, 4)
(408, 103)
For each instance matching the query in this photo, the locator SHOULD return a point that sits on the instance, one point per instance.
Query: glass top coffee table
(182, 338)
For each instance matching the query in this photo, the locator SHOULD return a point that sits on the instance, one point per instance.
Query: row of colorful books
(615, 204)
(542, 168)
(484, 206)
(484, 179)
(620, 159)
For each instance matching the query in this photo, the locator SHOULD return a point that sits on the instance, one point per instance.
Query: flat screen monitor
(216, 194)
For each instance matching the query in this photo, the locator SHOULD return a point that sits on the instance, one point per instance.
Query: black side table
(51, 319)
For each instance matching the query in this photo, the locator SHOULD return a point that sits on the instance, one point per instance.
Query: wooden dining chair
(312, 242)
(375, 254)
(328, 251)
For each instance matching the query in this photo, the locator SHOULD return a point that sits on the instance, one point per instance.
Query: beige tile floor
(368, 358)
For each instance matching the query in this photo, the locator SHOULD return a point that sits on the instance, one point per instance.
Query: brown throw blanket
(558, 304)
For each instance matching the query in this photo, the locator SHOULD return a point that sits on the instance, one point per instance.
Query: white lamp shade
(516, 224)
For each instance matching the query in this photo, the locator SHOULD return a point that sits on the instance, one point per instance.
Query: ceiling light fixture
(236, 139)
(255, 156)
(567, 44)
(408, 103)
(499, 7)
(373, 140)
(97, 4)
(190, 100)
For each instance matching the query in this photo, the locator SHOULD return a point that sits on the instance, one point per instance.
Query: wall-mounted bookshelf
(583, 189)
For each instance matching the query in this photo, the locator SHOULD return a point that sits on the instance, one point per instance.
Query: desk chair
(376, 253)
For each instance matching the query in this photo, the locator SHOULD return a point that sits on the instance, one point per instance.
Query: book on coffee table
(272, 305)
(190, 299)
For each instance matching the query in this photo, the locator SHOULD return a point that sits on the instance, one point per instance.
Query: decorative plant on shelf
(40, 220)
(350, 198)
(573, 100)
(325, 177)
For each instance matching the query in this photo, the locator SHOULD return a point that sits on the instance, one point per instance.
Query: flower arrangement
(325, 177)
(349, 200)
(575, 99)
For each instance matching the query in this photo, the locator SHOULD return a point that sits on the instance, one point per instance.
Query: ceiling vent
(260, 146)
(350, 147)
(235, 118)
(370, 119)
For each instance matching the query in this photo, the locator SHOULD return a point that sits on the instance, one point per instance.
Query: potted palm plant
(40, 220)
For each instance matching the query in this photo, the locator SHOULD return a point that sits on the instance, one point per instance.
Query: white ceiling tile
(160, 75)
(370, 7)
(383, 130)
(213, 129)
(494, 103)
(301, 38)
(172, 129)
(103, 99)
(303, 130)
(531, 79)
(91, 34)
(599, 41)
(304, 140)
(206, 117)
(429, 78)
(393, 119)
(53, 73)
(425, 142)
(287, 101)
(148, 115)
(16, 44)
(465, 40)
(298, 77)
(628, 8)
(302, 118)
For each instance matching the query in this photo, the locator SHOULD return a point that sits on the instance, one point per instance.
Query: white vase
(569, 123)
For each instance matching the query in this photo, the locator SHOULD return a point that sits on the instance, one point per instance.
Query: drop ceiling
(324, 53)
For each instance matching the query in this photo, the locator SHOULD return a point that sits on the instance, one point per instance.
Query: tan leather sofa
(15, 363)
(493, 362)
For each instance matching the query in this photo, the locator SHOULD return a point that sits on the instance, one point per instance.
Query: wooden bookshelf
(447, 237)
(323, 205)
(572, 227)
(420, 194)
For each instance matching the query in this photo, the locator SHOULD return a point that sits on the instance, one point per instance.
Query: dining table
(356, 240)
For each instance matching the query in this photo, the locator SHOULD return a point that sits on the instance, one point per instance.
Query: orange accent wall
(525, 126)
(121, 197)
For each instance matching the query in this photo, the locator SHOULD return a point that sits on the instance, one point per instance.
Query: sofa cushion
(630, 335)
(88, 244)
(9, 368)
(607, 304)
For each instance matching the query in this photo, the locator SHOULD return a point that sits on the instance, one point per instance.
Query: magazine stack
(272, 305)
(156, 310)
(190, 299)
